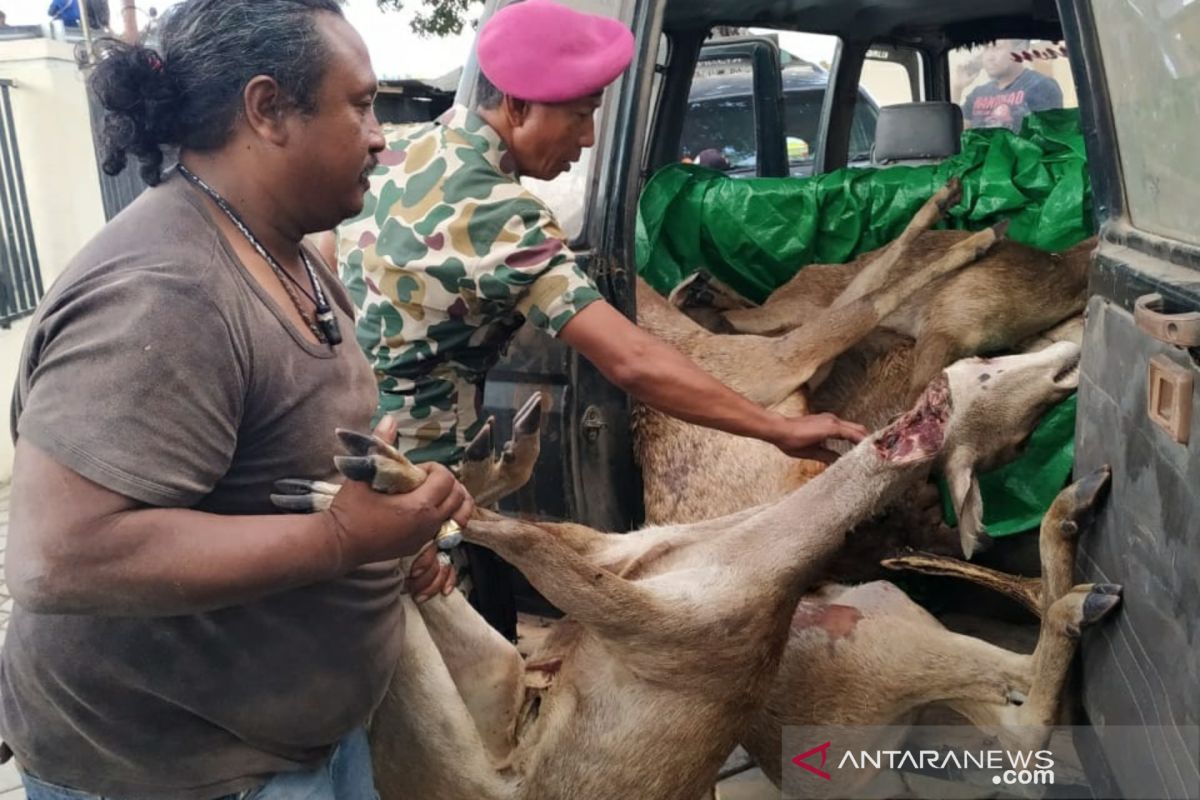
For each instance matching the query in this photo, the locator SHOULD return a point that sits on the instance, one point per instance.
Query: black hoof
(355, 468)
(294, 503)
(480, 448)
(357, 444)
(529, 418)
(293, 486)
(1087, 490)
(955, 187)
(1102, 599)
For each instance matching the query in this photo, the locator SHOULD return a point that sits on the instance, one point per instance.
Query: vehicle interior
(921, 36)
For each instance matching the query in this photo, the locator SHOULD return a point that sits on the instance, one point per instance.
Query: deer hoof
(953, 190)
(303, 497)
(480, 448)
(1086, 491)
(1101, 600)
(357, 444)
(1098, 601)
(529, 419)
(1073, 504)
(357, 468)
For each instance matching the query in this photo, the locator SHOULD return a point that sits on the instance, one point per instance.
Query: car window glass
(719, 126)
(999, 83)
(890, 75)
(1152, 63)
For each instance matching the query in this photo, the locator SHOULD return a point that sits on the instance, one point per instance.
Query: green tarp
(754, 234)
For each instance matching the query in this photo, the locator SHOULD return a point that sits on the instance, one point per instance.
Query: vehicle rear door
(1137, 65)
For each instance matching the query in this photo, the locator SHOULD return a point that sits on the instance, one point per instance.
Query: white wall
(53, 130)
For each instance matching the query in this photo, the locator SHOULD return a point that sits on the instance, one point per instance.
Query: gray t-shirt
(157, 367)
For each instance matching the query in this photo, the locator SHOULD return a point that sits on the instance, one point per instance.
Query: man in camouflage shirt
(452, 254)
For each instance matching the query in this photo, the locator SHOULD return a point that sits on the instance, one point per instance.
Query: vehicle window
(719, 129)
(1151, 65)
(1000, 83)
(662, 57)
(890, 75)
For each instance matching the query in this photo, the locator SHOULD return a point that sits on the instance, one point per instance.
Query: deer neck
(810, 525)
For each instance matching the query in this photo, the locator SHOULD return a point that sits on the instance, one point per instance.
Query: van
(1133, 69)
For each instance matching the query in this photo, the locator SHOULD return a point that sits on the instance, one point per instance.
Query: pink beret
(544, 52)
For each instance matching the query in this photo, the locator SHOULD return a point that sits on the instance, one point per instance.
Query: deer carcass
(1010, 294)
(834, 347)
(692, 473)
(674, 633)
(867, 656)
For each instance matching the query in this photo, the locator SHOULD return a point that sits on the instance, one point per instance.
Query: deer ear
(968, 502)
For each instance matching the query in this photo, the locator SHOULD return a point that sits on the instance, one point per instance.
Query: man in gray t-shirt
(173, 637)
(1014, 91)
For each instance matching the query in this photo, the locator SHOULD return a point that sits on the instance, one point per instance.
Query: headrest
(917, 131)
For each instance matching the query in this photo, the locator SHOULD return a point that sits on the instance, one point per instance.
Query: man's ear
(516, 111)
(266, 109)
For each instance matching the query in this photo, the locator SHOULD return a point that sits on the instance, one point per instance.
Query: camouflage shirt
(447, 259)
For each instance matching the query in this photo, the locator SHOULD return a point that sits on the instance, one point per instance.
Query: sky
(396, 51)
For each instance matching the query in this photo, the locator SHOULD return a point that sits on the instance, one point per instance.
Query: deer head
(997, 402)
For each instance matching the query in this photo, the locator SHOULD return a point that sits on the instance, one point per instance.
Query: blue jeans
(346, 776)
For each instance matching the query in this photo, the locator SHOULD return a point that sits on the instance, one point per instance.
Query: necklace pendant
(330, 330)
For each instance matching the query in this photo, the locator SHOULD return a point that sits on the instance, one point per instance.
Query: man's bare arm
(662, 377)
(77, 547)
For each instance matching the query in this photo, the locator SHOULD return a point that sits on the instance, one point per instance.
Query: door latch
(1170, 397)
(593, 422)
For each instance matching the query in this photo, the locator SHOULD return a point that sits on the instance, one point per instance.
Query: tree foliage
(435, 17)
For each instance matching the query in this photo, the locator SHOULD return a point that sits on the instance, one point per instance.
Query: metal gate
(20, 275)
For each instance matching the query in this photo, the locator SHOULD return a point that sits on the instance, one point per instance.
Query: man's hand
(431, 574)
(371, 526)
(804, 437)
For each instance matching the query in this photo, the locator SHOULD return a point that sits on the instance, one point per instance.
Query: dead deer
(1012, 293)
(692, 474)
(833, 671)
(674, 633)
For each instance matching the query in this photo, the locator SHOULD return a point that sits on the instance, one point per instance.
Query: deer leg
(832, 331)
(620, 610)
(879, 273)
(591, 594)
(1065, 610)
(1026, 591)
(1058, 537)
(887, 298)
(487, 478)
(426, 741)
(1068, 515)
(486, 669)
(1027, 724)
